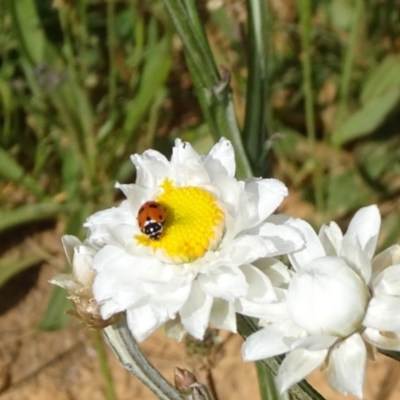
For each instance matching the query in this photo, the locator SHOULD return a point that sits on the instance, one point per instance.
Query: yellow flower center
(193, 225)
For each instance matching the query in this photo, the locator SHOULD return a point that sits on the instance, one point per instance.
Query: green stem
(119, 338)
(305, 29)
(105, 368)
(255, 125)
(112, 74)
(194, 39)
(266, 382)
(348, 62)
(213, 91)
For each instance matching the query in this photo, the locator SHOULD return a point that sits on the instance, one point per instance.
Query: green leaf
(54, 317)
(12, 266)
(382, 79)
(346, 192)
(154, 75)
(214, 92)
(29, 213)
(367, 118)
(266, 382)
(379, 163)
(255, 125)
(6, 96)
(28, 28)
(71, 174)
(12, 171)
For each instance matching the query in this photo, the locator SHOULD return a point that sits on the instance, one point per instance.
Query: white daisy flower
(79, 283)
(339, 306)
(190, 262)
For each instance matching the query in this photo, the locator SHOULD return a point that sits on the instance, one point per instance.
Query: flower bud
(327, 297)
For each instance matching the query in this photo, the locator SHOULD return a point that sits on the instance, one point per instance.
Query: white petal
(265, 343)
(314, 342)
(170, 297)
(80, 257)
(69, 243)
(297, 365)
(116, 225)
(331, 238)
(142, 322)
(245, 249)
(221, 160)
(130, 268)
(113, 300)
(264, 196)
(196, 311)
(285, 238)
(382, 340)
(346, 367)
(389, 256)
(383, 313)
(356, 257)
(388, 281)
(65, 281)
(276, 271)
(261, 294)
(260, 288)
(223, 315)
(122, 280)
(226, 283)
(82, 268)
(231, 195)
(271, 312)
(365, 225)
(187, 166)
(151, 168)
(136, 195)
(312, 249)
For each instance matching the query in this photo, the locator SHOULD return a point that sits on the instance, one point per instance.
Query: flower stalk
(124, 346)
(255, 124)
(212, 88)
(305, 29)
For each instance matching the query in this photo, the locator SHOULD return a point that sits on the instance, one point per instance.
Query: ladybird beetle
(151, 219)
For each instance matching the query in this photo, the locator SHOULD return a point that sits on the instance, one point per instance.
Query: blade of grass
(55, 317)
(27, 26)
(30, 213)
(193, 37)
(255, 125)
(111, 44)
(214, 92)
(348, 62)
(305, 35)
(12, 171)
(111, 394)
(12, 266)
(76, 115)
(154, 75)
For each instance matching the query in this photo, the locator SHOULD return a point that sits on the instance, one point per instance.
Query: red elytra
(151, 218)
